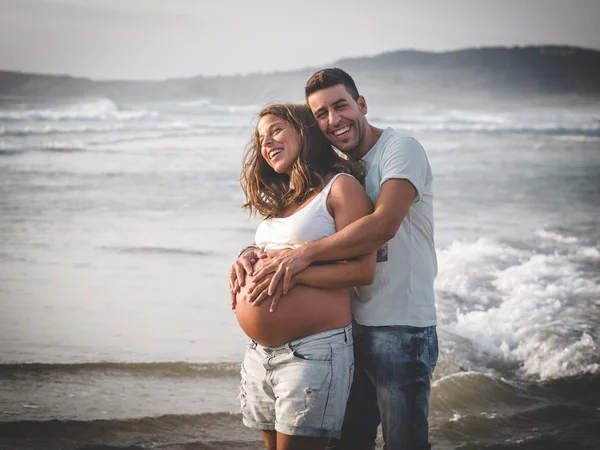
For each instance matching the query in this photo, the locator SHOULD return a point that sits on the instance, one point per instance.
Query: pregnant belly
(302, 312)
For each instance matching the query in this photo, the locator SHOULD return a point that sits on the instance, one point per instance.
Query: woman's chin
(281, 169)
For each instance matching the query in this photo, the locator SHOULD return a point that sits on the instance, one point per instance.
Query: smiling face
(341, 118)
(279, 142)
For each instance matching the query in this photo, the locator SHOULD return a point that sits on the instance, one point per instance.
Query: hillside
(494, 72)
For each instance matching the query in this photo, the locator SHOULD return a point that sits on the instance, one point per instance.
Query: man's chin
(346, 147)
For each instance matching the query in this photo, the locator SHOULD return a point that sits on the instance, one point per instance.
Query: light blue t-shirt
(402, 293)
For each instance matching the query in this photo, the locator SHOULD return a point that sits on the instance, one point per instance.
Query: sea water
(118, 223)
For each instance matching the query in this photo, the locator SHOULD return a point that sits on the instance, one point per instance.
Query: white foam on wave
(578, 125)
(99, 109)
(98, 127)
(64, 146)
(556, 237)
(205, 106)
(520, 306)
(589, 253)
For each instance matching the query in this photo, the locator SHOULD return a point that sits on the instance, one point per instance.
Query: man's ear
(362, 104)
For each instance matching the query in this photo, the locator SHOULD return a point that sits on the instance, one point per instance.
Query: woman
(298, 365)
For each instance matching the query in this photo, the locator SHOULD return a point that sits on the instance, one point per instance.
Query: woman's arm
(347, 202)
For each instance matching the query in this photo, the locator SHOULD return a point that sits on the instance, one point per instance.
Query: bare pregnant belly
(302, 312)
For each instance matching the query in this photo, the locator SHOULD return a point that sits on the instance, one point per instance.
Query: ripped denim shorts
(299, 388)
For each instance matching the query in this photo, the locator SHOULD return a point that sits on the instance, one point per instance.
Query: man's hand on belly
(284, 264)
(258, 291)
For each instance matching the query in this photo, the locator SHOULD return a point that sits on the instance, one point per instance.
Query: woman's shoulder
(342, 179)
(333, 178)
(344, 184)
(346, 195)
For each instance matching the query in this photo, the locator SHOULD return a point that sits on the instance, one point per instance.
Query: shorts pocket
(318, 351)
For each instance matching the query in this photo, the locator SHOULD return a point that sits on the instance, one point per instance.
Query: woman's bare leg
(270, 438)
(286, 442)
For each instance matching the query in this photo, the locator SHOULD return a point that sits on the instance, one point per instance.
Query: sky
(157, 39)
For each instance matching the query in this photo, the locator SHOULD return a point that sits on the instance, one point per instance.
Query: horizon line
(274, 72)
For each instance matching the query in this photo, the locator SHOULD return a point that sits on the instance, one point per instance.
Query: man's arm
(347, 202)
(359, 238)
(370, 232)
(342, 274)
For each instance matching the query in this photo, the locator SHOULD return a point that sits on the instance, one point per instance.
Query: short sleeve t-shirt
(402, 293)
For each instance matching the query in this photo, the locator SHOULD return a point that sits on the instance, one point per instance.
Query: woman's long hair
(268, 192)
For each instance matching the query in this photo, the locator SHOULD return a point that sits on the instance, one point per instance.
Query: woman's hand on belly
(243, 290)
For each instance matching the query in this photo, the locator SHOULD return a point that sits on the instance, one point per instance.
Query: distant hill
(517, 72)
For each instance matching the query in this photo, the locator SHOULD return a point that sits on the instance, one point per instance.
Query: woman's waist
(334, 338)
(302, 312)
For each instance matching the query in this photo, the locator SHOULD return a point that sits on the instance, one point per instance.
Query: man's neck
(372, 135)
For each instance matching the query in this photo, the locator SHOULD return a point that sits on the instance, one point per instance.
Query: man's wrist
(308, 253)
(242, 251)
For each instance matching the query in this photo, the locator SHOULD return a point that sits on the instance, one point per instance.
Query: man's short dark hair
(327, 78)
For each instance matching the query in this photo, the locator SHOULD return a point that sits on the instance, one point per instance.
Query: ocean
(118, 222)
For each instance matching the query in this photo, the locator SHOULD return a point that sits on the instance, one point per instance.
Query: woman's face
(279, 142)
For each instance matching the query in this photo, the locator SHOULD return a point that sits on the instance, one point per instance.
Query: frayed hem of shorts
(308, 431)
(267, 426)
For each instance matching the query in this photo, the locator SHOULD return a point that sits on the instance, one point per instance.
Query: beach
(118, 223)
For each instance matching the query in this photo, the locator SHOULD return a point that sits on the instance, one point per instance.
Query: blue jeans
(391, 386)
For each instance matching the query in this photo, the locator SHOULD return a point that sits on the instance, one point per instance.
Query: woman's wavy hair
(268, 192)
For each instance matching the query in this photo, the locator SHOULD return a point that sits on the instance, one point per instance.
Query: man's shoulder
(397, 142)
(393, 137)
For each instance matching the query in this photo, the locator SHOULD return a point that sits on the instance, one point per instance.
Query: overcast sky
(153, 39)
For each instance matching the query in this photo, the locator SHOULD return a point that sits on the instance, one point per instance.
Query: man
(394, 330)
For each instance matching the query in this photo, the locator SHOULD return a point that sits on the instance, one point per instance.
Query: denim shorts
(299, 388)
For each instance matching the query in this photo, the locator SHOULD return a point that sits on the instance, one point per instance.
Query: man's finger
(287, 278)
(275, 280)
(260, 298)
(253, 296)
(275, 301)
(265, 270)
(256, 285)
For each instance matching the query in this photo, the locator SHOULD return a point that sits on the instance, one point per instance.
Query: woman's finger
(232, 277)
(240, 273)
(247, 265)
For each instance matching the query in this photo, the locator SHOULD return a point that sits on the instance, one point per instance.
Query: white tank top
(311, 223)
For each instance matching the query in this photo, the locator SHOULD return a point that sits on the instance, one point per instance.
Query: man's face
(341, 118)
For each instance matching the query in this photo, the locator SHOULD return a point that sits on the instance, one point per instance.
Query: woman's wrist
(242, 251)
